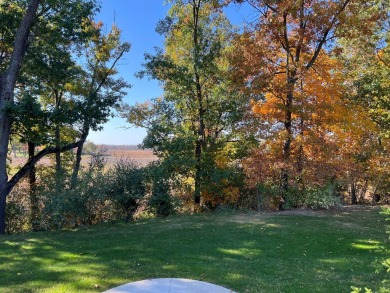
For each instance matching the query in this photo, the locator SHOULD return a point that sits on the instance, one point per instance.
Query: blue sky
(137, 21)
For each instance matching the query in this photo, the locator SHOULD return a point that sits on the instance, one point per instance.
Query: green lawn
(322, 252)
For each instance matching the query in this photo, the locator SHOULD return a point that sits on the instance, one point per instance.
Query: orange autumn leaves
(328, 133)
(309, 133)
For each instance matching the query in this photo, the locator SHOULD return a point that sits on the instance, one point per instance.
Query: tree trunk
(5, 126)
(58, 154)
(284, 177)
(199, 142)
(58, 175)
(7, 86)
(3, 200)
(198, 170)
(33, 188)
(199, 96)
(57, 137)
(353, 193)
(363, 192)
(79, 153)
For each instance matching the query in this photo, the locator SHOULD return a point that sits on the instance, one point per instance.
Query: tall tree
(16, 41)
(367, 64)
(8, 79)
(282, 47)
(98, 90)
(366, 60)
(197, 116)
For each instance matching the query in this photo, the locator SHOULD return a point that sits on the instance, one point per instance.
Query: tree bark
(7, 86)
(353, 193)
(3, 200)
(200, 133)
(33, 188)
(284, 182)
(58, 174)
(4, 139)
(199, 143)
(198, 170)
(363, 192)
(79, 153)
(58, 154)
(58, 142)
(300, 158)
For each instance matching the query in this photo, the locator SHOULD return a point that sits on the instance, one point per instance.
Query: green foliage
(31, 121)
(268, 197)
(63, 209)
(321, 197)
(97, 197)
(126, 187)
(161, 201)
(359, 290)
(71, 207)
(194, 124)
(294, 198)
(17, 211)
(367, 64)
(102, 52)
(223, 184)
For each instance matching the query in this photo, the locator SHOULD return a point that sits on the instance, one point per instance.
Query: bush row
(127, 191)
(117, 194)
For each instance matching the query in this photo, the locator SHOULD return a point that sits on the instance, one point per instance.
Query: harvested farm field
(140, 157)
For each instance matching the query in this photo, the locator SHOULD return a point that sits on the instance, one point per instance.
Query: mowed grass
(284, 252)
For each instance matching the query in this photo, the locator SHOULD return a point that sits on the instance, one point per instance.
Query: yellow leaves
(271, 108)
(228, 195)
(221, 160)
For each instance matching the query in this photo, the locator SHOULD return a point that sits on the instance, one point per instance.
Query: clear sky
(137, 21)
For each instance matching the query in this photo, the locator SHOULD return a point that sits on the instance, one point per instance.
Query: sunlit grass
(328, 252)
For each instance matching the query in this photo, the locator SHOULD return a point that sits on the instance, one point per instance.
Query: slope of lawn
(283, 252)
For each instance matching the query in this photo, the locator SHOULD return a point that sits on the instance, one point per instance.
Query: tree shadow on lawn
(277, 254)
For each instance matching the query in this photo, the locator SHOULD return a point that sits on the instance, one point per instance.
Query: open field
(325, 251)
(140, 157)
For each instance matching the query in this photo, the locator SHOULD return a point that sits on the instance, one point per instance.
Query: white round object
(169, 285)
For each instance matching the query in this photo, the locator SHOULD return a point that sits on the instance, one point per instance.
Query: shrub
(223, 186)
(126, 187)
(269, 197)
(161, 202)
(321, 197)
(18, 210)
(64, 206)
(295, 198)
(97, 197)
